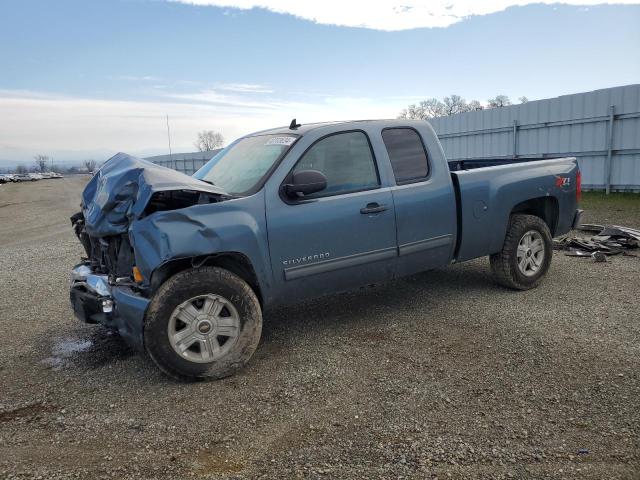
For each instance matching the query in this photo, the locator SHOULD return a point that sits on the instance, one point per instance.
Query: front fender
(232, 226)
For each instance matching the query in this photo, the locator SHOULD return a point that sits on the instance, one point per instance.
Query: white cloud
(134, 78)
(245, 88)
(389, 14)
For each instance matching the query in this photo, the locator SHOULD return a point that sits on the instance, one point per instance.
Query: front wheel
(526, 253)
(202, 323)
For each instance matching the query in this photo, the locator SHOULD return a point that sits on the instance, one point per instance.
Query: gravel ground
(440, 375)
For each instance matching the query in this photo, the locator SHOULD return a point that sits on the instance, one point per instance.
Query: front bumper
(95, 300)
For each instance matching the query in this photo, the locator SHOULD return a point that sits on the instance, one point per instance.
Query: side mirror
(305, 182)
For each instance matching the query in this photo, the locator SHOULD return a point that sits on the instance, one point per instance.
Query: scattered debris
(609, 240)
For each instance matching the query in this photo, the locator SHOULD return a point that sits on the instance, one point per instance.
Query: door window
(407, 154)
(345, 159)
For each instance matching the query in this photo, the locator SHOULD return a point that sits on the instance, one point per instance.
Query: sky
(85, 79)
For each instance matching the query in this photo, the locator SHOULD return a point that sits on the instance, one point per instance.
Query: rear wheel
(203, 323)
(526, 253)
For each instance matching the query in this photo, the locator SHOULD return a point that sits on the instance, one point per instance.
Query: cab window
(407, 155)
(345, 159)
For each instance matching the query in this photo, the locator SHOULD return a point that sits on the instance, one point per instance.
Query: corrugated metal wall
(187, 163)
(600, 128)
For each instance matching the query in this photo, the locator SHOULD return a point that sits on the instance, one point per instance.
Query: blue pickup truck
(183, 266)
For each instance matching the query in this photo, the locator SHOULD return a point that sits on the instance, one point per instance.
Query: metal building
(184, 162)
(600, 128)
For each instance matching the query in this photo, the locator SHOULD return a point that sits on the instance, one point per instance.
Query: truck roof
(344, 124)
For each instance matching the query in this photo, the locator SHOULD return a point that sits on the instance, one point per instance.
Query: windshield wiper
(225, 194)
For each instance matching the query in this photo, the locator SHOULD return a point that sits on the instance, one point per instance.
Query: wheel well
(234, 262)
(544, 207)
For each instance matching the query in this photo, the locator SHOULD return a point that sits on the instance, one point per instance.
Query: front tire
(526, 253)
(202, 323)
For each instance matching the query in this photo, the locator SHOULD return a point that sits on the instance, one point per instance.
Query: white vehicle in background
(22, 177)
(6, 178)
(35, 176)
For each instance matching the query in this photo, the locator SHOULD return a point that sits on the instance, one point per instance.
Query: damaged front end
(118, 306)
(106, 287)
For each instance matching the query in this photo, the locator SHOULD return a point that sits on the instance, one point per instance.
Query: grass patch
(600, 199)
(617, 208)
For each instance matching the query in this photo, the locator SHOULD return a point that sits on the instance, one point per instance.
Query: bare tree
(454, 104)
(209, 140)
(21, 169)
(90, 165)
(41, 162)
(499, 101)
(474, 105)
(424, 110)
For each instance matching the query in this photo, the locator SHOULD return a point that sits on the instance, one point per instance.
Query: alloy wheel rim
(531, 252)
(204, 328)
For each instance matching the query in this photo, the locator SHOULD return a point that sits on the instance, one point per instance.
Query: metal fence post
(610, 147)
(515, 139)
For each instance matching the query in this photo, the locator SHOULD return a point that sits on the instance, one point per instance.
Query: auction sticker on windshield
(281, 141)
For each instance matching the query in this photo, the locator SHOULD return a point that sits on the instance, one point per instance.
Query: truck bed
(489, 191)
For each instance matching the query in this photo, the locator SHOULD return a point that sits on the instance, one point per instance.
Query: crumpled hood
(121, 189)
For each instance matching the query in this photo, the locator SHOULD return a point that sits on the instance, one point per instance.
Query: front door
(341, 237)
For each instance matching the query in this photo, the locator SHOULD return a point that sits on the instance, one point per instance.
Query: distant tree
(21, 169)
(90, 165)
(208, 140)
(499, 101)
(41, 162)
(454, 104)
(474, 105)
(451, 105)
(424, 110)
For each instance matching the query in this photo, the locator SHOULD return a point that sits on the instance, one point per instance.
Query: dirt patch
(28, 411)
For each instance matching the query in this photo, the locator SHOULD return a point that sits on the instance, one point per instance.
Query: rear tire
(526, 253)
(202, 323)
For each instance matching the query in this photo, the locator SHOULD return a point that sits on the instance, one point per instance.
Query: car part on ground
(609, 240)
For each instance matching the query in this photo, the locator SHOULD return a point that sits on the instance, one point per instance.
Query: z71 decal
(562, 181)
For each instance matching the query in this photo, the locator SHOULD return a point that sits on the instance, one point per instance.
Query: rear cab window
(407, 154)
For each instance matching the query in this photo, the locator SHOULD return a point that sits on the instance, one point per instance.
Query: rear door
(424, 202)
(341, 237)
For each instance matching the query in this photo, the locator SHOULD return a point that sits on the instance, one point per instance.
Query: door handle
(373, 208)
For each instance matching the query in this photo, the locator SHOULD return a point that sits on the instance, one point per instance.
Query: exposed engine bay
(112, 255)
(176, 199)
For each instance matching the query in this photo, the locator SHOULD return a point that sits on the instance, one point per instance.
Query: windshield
(239, 168)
